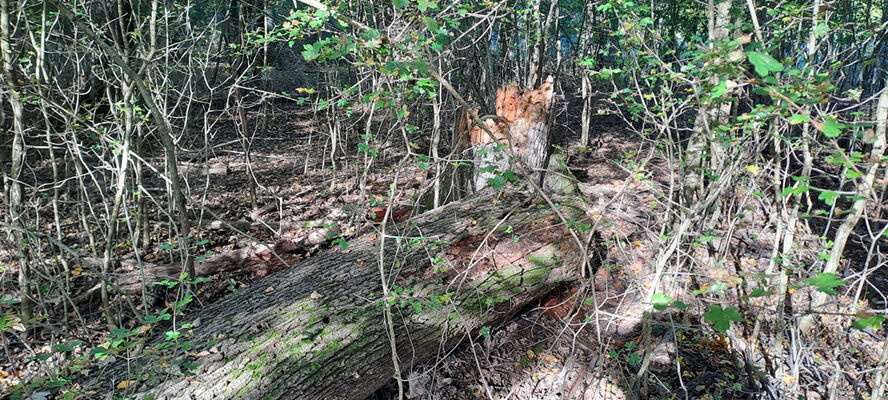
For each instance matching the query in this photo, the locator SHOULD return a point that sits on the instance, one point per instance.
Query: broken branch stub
(522, 123)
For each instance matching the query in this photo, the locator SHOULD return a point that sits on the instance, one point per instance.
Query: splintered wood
(521, 124)
(522, 109)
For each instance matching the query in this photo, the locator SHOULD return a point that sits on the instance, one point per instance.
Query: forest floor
(552, 350)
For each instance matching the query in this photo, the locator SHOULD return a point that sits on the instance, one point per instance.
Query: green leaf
(796, 119)
(867, 320)
(633, 359)
(660, 301)
(758, 293)
(99, 351)
(681, 305)
(309, 53)
(853, 174)
(831, 127)
(764, 63)
(828, 197)
(424, 5)
(719, 90)
(342, 243)
(496, 182)
(721, 318)
(821, 29)
(400, 3)
(825, 282)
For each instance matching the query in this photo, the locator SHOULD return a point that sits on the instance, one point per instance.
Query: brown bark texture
(316, 330)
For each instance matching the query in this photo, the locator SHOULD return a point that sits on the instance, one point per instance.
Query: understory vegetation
(555, 199)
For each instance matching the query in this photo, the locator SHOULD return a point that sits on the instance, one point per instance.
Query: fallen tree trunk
(131, 275)
(316, 330)
(213, 169)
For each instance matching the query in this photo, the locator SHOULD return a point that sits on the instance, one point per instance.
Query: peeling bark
(315, 331)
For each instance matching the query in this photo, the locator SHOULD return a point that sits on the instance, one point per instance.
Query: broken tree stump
(522, 124)
(316, 330)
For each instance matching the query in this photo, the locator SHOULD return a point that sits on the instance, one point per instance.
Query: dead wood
(213, 169)
(522, 123)
(315, 331)
(131, 274)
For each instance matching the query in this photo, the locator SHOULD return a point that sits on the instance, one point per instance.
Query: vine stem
(387, 306)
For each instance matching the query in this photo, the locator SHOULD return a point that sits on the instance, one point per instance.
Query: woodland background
(722, 171)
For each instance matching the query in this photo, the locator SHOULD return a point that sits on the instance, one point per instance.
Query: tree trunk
(535, 44)
(522, 124)
(14, 191)
(702, 142)
(315, 331)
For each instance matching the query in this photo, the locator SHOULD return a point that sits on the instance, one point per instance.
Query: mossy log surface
(316, 330)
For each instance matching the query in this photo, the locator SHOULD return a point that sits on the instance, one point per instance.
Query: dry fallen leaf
(17, 324)
(143, 329)
(125, 384)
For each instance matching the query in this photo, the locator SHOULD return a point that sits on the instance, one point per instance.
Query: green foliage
(828, 197)
(661, 302)
(825, 282)
(764, 63)
(721, 318)
(831, 127)
(759, 91)
(868, 320)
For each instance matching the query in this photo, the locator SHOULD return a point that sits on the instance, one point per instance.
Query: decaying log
(522, 124)
(214, 169)
(316, 330)
(277, 226)
(132, 274)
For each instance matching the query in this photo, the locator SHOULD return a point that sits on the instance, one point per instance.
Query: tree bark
(14, 191)
(315, 331)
